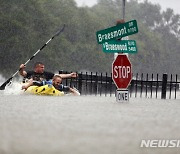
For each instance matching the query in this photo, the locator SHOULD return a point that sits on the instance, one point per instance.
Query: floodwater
(85, 124)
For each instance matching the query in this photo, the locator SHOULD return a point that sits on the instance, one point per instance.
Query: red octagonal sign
(121, 71)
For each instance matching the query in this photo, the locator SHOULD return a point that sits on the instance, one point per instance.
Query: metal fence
(149, 86)
(155, 86)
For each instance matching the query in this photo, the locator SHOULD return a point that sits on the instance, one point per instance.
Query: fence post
(80, 82)
(164, 86)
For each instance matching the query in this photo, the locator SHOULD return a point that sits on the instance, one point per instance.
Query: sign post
(112, 42)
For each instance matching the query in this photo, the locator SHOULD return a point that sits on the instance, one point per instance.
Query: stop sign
(121, 71)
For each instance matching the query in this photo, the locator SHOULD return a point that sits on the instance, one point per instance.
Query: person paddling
(39, 73)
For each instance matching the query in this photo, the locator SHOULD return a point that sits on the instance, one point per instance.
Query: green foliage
(27, 24)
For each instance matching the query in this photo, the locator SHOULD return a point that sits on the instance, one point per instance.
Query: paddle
(2, 87)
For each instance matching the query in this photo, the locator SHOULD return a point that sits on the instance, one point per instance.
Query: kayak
(44, 90)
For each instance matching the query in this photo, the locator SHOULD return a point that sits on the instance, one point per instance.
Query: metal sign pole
(123, 9)
(122, 95)
(123, 12)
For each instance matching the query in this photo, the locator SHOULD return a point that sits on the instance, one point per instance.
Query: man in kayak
(56, 82)
(38, 74)
(40, 77)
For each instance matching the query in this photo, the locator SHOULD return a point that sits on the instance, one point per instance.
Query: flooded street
(85, 124)
(94, 49)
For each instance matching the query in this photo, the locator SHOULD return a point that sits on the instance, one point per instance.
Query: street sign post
(121, 71)
(118, 31)
(123, 46)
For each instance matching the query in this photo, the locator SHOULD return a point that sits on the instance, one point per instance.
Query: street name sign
(118, 31)
(123, 46)
(121, 71)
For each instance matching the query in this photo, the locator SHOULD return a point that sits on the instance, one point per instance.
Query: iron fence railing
(151, 86)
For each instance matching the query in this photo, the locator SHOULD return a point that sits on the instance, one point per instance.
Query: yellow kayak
(44, 90)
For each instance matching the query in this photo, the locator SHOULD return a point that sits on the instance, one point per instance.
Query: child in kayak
(56, 82)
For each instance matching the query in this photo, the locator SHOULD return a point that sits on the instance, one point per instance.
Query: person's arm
(68, 89)
(74, 92)
(70, 75)
(31, 82)
(28, 84)
(22, 71)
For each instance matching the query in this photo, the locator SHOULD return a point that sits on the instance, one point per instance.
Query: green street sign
(123, 46)
(118, 31)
